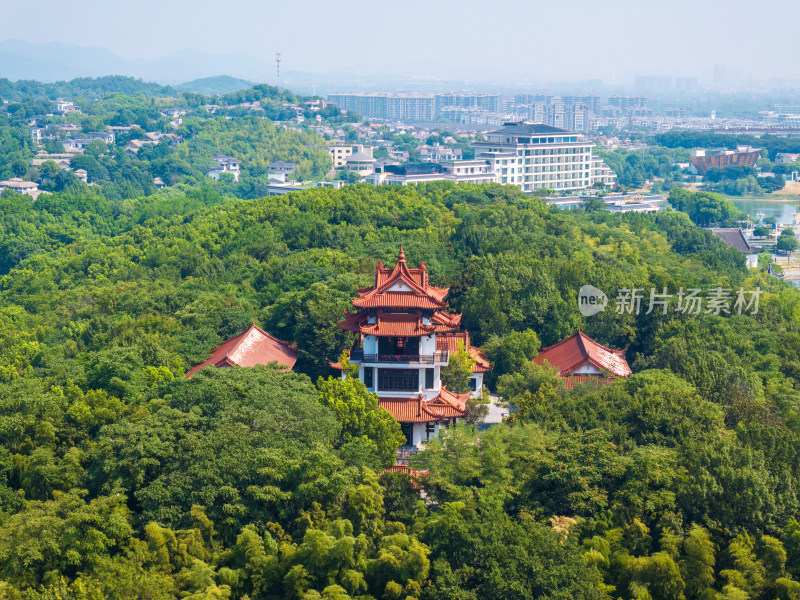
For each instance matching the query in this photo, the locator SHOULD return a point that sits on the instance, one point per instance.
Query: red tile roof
(579, 349)
(253, 347)
(416, 410)
(411, 288)
(400, 324)
(452, 342)
(398, 300)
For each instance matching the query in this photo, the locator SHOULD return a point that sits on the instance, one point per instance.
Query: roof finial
(402, 255)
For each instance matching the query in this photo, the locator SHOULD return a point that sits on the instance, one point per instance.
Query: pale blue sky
(577, 39)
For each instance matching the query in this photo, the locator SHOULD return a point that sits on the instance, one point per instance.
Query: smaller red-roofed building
(579, 359)
(253, 347)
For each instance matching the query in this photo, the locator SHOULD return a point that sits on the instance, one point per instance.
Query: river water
(782, 212)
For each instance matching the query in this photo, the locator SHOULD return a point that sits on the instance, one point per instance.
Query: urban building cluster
(531, 156)
(580, 112)
(414, 106)
(75, 142)
(575, 112)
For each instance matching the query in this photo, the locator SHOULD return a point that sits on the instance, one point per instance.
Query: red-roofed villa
(253, 347)
(580, 359)
(406, 338)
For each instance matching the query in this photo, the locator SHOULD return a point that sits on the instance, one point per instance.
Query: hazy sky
(567, 39)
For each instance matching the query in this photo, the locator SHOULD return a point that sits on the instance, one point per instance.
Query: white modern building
(361, 161)
(458, 171)
(602, 173)
(535, 156)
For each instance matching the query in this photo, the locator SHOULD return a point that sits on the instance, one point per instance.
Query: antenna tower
(278, 66)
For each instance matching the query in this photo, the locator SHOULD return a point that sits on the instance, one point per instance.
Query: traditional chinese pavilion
(580, 359)
(406, 338)
(253, 347)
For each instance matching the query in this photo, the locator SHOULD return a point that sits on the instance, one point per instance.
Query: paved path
(496, 412)
(495, 415)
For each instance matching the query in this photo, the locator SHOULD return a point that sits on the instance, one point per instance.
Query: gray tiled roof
(529, 129)
(734, 238)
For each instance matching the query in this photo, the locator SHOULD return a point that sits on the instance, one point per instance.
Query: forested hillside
(119, 478)
(183, 133)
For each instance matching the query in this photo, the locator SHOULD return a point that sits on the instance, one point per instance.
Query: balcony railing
(405, 454)
(358, 355)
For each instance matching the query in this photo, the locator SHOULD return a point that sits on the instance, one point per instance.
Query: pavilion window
(369, 377)
(398, 380)
(429, 373)
(400, 346)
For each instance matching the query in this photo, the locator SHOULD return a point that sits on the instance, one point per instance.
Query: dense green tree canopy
(121, 478)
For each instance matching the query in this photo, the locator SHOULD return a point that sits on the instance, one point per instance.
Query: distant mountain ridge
(220, 84)
(20, 60)
(57, 62)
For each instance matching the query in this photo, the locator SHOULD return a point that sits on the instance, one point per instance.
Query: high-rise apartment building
(487, 102)
(533, 99)
(412, 106)
(407, 106)
(628, 103)
(591, 103)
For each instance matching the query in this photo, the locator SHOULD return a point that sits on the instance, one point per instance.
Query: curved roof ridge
(557, 344)
(598, 344)
(269, 335)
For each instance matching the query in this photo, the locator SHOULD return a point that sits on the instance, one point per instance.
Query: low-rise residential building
(224, 164)
(467, 171)
(81, 143)
(18, 185)
(66, 107)
(158, 137)
(438, 153)
(134, 146)
(400, 155)
(340, 153)
(62, 160)
(315, 105)
(361, 162)
(786, 158)
(280, 169)
(53, 131)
